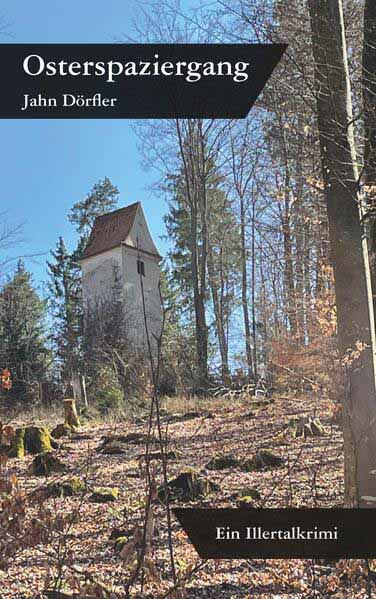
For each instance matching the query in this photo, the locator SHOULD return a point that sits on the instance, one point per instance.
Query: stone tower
(121, 255)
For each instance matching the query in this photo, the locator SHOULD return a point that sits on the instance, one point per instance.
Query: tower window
(141, 267)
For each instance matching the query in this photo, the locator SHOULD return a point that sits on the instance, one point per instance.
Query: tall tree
(369, 109)
(221, 261)
(192, 142)
(65, 303)
(242, 174)
(223, 268)
(348, 251)
(23, 333)
(178, 341)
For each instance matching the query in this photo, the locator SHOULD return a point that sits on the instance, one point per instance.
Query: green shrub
(108, 399)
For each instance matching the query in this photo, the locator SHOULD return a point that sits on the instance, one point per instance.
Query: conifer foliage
(65, 305)
(65, 285)
(23, 334)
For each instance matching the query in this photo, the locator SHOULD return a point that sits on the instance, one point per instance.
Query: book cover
(187, 276)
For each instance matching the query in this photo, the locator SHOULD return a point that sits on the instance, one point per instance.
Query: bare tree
(10, 235)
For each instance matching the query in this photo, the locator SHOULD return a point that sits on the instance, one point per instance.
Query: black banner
(280, 533)
(133, 80)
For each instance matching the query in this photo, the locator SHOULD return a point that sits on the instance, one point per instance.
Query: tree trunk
(307, 278)
(369, 104)
(70, 413)
(203, 202)
(264, 318)
(288, 277)
(289, 288)
(253, 257)
(348, 251)
(199, 306)
(243, 258)
(299, 244)
(190, 149)
(219, 321)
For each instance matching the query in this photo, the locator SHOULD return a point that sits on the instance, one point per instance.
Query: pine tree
(23, 333)
(177, 222)
(178, 341)
(65, 284)
(222, 262)
(102, 198)
(65, 303)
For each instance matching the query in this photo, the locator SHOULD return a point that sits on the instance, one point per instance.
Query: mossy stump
(61, 430)
(17, 449)
(249, 492)
(187, 486)
(246, 502)
(262, 460)
(32, 439)
(66, 488)
(222, 462)
(70, 413)
(104, 494)
(38, 440)
(120, 542)
(307, 427)
(119, 539)
(45, 464)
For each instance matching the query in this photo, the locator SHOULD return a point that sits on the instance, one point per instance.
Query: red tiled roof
(110, 230)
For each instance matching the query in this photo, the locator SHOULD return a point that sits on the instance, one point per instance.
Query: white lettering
(26, 65)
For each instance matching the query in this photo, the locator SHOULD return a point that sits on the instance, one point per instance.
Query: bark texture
(369, 104)
(348, 250)
(70, 413)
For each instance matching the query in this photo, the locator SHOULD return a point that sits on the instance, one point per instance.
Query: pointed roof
(111, 230)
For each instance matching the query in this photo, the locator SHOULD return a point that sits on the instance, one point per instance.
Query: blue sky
(48, 165)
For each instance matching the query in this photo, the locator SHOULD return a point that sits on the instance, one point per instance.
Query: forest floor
(311, 477)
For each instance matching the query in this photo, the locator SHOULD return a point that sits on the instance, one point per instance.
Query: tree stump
(263, 459)
(61, 430)
(187, 486)
(38, 440)
(45, 464)
(307, 427)
(32, 439)
(17, 449)
(70, 413)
